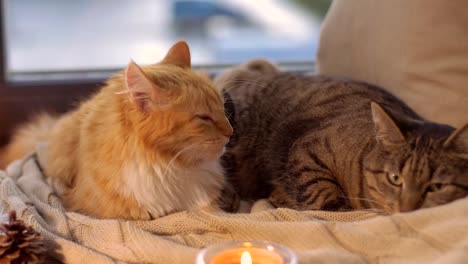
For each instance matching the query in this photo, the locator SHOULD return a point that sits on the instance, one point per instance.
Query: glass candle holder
(246, 252)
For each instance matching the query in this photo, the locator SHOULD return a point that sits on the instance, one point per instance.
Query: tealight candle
(246, 252)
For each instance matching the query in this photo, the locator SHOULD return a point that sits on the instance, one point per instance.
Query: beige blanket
(437, 235)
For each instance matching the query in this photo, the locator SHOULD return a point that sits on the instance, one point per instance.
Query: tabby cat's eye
(395, 179)
(206, 118)
(436, 187)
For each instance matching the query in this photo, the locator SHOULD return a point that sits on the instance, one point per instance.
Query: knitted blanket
(436, 235)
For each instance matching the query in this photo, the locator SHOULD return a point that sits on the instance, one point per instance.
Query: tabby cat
(321, 143)
(147, 144)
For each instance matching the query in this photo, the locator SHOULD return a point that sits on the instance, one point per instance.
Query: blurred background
(85, 36)
(54, 53)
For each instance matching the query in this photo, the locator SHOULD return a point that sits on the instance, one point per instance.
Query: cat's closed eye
(395, 179)
(436, 187)
(204, 117)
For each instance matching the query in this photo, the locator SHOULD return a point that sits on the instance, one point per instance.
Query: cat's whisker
(233, 99)
(359, 198)
(386, 208)
(122, 92)
(244, 81)
(169, 164)
(223, 109)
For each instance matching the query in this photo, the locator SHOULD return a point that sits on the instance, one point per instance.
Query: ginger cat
(147, 144)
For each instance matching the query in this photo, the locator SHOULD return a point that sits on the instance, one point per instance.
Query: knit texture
(436, 235)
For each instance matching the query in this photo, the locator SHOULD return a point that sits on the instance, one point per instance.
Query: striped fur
(315, 142)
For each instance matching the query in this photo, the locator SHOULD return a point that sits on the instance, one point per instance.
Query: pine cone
(19, 243)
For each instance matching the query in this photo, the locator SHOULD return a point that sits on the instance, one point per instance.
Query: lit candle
(246, 258)
(248, 252)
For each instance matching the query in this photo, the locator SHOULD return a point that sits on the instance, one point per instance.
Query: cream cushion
(416, 49)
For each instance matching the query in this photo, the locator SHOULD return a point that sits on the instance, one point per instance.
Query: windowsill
(21, 79)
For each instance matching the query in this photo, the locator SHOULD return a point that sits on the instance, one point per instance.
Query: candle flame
(246, 258)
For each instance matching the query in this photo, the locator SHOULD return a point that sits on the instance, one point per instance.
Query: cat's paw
(279, 199)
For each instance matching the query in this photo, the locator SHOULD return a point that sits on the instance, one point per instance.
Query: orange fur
(25, 138)
(138, 148)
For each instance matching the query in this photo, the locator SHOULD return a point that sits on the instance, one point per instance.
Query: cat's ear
(143, 93)
(387, 131)
(179, 55)
(458, 141)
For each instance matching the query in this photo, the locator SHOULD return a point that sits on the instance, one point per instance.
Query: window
(55, 52)
(54, 39)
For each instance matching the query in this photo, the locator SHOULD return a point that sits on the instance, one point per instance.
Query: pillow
(417, 49)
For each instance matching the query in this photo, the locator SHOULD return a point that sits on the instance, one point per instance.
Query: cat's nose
(228, 132)
(226, 128)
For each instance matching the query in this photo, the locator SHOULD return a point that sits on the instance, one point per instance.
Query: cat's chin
(209, 156)
(217, 142)
(214, 150)
(215, 156)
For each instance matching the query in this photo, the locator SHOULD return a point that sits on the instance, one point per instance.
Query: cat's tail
(25, 138)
